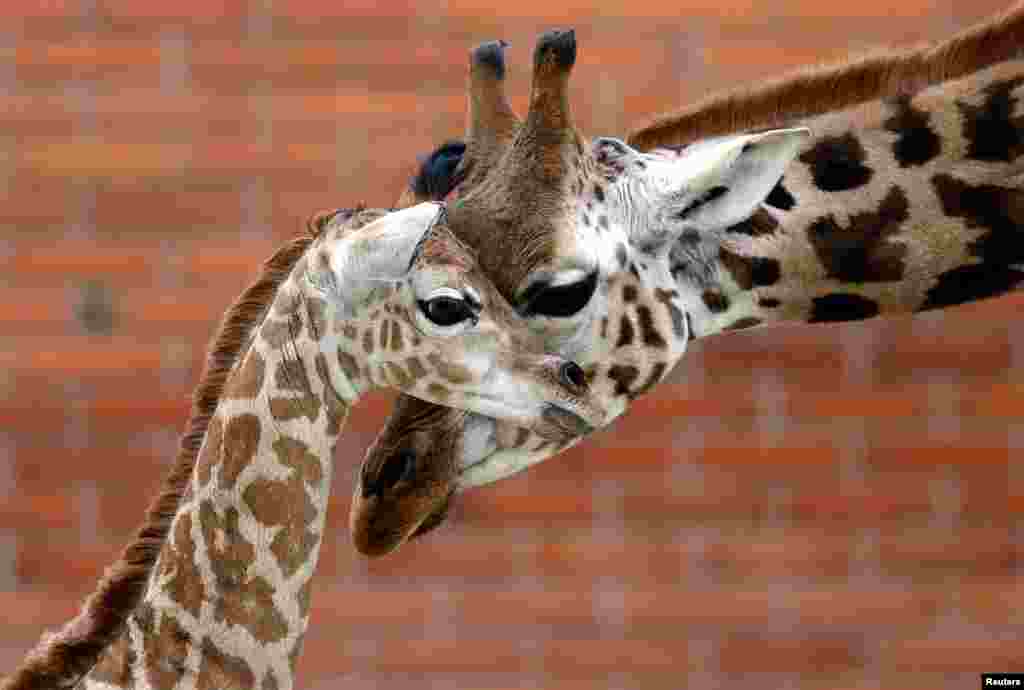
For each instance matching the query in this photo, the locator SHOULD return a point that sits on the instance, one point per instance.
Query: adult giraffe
(907, 197)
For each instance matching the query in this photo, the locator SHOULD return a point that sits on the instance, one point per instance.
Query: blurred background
(809, 507)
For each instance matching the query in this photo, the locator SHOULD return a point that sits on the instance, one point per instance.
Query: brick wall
(810, 507)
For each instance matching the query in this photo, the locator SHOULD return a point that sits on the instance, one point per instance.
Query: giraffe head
(585, 239)
(395, 300)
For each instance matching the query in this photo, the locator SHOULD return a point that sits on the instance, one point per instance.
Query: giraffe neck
(898, 205)
(228, 602)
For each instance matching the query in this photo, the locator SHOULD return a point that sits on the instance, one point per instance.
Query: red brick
(793, 354)
(510, 607)
(644, 558)
(696, 507)
(36, 312)
(29, 612)
(861, 509)
(33, 199)
(772, 553)
(854, 401)
(62, 566)
(961, 352)
(106, 463)
(951, 655)
(936, 455)
(41, 8)
(73, 354)
(81, 260)
(188, 11)
(929, 554)
(682, 401)
(168, 210)
(311, 63)
(596, 658)
(508, 501)
(722, 607)
(245, 260)
(436, 655)
(317, 10)
(124, 62)
(993, 602)
(53, 510)
(850, 607)
(1001, 400)
(103, 159)
(825, 655)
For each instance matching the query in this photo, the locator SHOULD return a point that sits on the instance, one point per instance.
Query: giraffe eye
(559, 301)
(446, 310)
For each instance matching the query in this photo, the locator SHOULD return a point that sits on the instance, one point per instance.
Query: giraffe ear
(728, 178)
(381, 251)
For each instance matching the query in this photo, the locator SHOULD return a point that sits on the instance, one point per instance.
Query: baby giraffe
(215, 591)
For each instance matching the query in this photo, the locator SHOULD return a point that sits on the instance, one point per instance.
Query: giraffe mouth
(559, 424)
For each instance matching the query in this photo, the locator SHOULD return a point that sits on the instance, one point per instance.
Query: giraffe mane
(61, 659)
(833, 86)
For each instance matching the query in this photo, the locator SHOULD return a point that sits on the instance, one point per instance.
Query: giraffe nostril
(396, 468)
(573, 376)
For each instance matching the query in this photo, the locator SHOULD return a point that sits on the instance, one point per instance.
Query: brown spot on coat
(1000, 212)
(992, 131)
(657, 373)
(251, 605)
(368, 341)
(758, 225)
(284, 409)
(286, 503)
(385, 324)
(230, 552)
(115, 663)
(209, 456)
(916, 143)
(625, 332)
(219, 670)
(397, 342)
(648, 331)
(624, 377)
(863, 252)
(241, 439)
(247, 381)
(750, 271)
(837, 163)
(337, 409)
(185, 587)
(164, 652)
